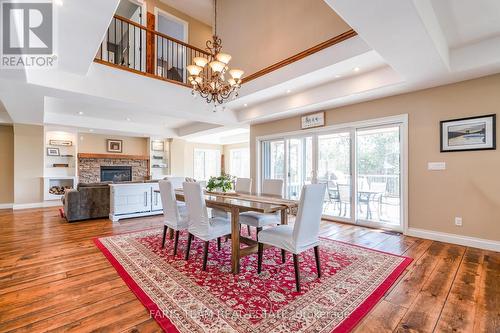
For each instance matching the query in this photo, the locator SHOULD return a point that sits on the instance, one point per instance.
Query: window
(206, 163)
(239, 162)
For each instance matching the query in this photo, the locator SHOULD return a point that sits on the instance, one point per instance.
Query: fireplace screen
(116, 173)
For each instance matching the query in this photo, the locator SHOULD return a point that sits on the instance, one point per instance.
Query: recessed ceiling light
(80, 113)
(128, 119)
(338, 75)
(356, 69)
(91, 130)
(58, 2)
(245, 105)
(288, 91)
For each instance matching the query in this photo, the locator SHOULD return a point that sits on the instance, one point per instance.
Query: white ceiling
(467, 22)
(110, 110)
(202, 10)
(225, 136)
(403, 45)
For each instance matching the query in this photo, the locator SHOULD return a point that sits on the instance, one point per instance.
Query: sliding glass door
(273, 162)
(360, 165)
(299, 165)
(378, 165)
(334, 169)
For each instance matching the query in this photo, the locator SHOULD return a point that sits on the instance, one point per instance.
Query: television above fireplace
(116, 173)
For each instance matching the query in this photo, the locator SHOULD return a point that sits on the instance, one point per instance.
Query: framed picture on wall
(52, 151)
(60, 143)
(157, 145)
(115, 146)
(312, 120)
(465, 134)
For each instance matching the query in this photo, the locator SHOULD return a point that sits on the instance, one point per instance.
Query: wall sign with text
(313, 120)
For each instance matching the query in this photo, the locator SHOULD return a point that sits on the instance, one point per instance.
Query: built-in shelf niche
(54, 187)
(159, 160)
(65, 142)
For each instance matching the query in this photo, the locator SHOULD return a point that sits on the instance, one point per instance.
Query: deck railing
(134, 47)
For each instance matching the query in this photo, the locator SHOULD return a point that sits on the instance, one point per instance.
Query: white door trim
(172, 17)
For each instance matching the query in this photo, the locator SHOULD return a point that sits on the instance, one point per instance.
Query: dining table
(236, 203)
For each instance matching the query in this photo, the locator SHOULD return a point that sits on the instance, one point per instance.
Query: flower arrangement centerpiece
(222, 183)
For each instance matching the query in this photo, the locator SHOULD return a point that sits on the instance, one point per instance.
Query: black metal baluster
(140, 49)
(115, 60)
(121, 44)
(133, 44)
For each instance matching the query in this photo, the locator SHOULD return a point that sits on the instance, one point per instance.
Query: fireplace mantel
(113, 156)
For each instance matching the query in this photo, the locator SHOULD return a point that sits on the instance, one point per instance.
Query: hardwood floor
(53, 278)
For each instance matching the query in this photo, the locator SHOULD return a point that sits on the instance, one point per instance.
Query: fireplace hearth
(116, 173)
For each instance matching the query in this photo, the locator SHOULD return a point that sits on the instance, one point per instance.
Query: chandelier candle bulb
(200, 61)
(224, 58)
(194, 70)
(236, 73)
(217, 66)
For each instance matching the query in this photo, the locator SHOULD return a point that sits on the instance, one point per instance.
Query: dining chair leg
(165, 228)
(176, 241)
(260, 252)
(318, 264)
(190, 238)
(297, 272)
(259, 229)
(283, 256)
(205, 255)
(218, 243)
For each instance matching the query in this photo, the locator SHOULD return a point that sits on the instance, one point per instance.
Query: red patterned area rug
(183, 298)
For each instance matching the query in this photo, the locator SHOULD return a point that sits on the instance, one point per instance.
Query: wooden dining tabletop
(235, 203)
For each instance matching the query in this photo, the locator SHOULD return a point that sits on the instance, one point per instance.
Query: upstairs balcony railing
(133, 47)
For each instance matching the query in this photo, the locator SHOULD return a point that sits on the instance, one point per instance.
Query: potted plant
(223, 183)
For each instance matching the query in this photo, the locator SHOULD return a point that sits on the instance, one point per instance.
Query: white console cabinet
(134, 200)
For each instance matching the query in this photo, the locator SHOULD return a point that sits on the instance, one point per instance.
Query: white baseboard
(6, 206)
(37, 205)
(485, 244)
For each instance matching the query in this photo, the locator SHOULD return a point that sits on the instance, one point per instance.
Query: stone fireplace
(119, 167)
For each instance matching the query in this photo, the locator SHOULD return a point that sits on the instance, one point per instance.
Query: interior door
(171, 59)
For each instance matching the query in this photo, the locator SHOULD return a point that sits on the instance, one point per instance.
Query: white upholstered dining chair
(258, 220)
(200, 225)
(174, 212)
(303, 235)
(242, 185)
(176, 181)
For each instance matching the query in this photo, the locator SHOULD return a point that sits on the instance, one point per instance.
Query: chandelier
(209, 81)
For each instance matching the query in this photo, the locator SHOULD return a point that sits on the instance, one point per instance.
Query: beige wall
(6, 164)
(182, 156)
(226, 151)
(469, 187)
(28, 164)
(199, 32)
(97, 144)
(259, 33)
